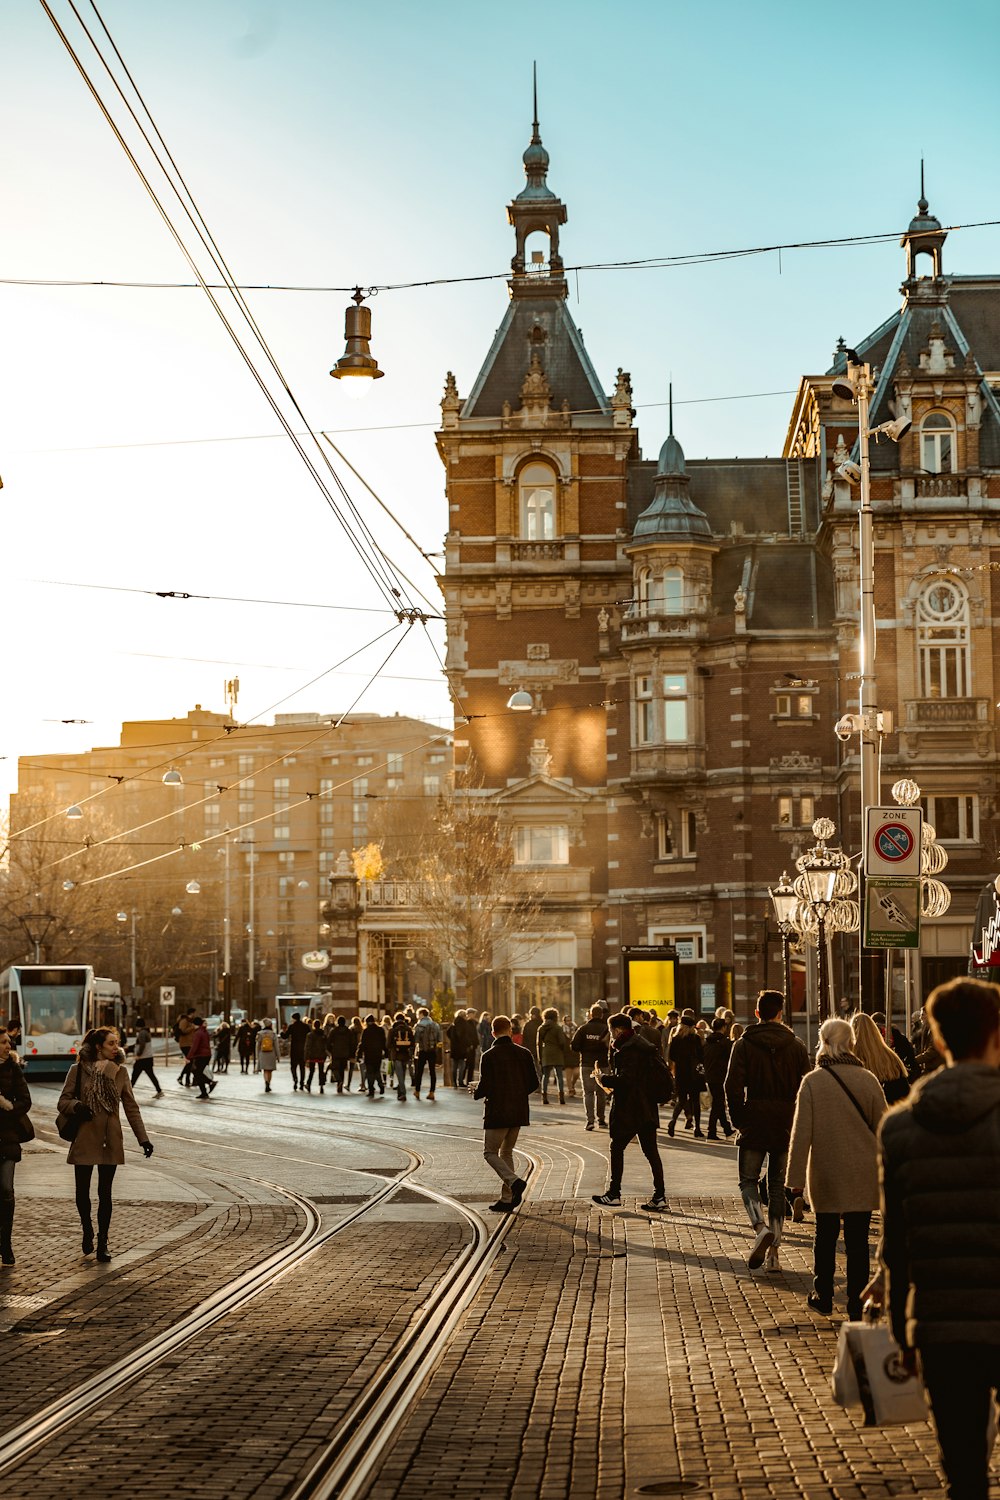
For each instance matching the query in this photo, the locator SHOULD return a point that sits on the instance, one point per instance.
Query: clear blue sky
(333, 143)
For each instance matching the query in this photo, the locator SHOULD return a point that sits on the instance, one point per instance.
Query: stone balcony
(946, 713)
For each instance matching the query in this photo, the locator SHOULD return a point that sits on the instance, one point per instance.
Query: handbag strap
(850, 1096)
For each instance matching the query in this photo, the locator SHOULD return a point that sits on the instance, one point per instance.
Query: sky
(329, 145)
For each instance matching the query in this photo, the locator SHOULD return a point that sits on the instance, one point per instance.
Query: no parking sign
(893, 842)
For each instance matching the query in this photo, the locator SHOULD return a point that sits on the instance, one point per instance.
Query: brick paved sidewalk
(612, 1350)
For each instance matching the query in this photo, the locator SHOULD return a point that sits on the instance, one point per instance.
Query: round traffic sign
(894, 842)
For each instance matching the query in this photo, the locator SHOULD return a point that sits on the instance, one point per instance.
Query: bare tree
(473, 903)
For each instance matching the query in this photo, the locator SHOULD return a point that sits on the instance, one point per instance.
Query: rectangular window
(645, 712)
(690, 831)
(955, 820)
(675, 708)
(281, 785)
(542, 844)
(364, 760)
(286, 857)
(432, 786)
(797, 811)
(394, 765)
(793, 706)
(245, 765)
(212, 812)
(282, 833)
(246, 811)
(676, 835)
(664, 837)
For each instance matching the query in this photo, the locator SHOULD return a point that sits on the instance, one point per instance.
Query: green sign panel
(892, 913)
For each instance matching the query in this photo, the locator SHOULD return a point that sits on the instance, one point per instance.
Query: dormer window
(537, 489)
(937, 445)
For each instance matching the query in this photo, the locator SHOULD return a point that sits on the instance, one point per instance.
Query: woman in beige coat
(833, 1154)
(96, 1087)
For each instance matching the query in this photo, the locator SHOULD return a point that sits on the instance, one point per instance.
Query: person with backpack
(401, 1052)
(638, 1081)
(267, 1053)
(427, 1037)
(766, 1067)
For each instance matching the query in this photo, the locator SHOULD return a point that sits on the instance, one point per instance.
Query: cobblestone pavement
(608, 1350)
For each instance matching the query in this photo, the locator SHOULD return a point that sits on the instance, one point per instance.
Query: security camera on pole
(857, 386)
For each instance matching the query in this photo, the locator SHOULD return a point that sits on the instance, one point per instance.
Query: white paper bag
(888, 1394)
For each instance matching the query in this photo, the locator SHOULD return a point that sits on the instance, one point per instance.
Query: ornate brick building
(686, 634)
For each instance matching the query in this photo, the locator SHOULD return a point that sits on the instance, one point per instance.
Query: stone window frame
(551, 513)
(934, 427)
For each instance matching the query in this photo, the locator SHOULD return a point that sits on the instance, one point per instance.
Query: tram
(55, 1005)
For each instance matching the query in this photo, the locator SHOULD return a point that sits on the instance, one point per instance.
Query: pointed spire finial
(922, 205)
(536, 139)
(671, 403)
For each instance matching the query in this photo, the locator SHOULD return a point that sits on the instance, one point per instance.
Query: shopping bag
(888, 1394)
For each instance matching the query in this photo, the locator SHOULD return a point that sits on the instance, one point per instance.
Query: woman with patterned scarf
(95, 1088)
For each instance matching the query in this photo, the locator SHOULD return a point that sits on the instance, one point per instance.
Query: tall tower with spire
(536, 460)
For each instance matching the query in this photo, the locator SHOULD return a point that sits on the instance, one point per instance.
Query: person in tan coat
(96, 1088)
(833, 1154)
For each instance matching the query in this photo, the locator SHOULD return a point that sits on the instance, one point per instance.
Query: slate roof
(788, 585)
(567, 366)
(751, 491)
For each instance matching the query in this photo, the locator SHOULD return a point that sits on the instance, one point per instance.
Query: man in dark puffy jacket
(766, 1066)
(507, 1079)
(637, 1080)
(684, 1054)
(295, 1034)
(372, 1047)
(591, 1041)
(716, 1052)
(940, 1172)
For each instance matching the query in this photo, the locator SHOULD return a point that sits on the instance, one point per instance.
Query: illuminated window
(943, 640)
(541, 844)
(675, 708)
(937, 445)
(537, 492)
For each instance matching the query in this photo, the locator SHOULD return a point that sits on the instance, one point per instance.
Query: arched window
(943, 640)
(673, 591)
(937, 444)
(537, 488)
(642, 583)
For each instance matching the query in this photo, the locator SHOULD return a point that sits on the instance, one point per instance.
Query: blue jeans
(751, 1162)
(547, 1070)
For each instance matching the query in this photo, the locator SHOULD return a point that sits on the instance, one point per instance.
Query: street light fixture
(356, 366)
(521, 702)
(785, 903)
(172, 777)
(75, 811)
(858, 386)
(824, 885)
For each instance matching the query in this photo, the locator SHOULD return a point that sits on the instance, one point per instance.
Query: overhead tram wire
(645, 263)
(192, 749)
(233, 785)
(184, 594)
(380, 569)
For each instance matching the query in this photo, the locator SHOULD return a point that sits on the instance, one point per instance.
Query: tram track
(352, 1456)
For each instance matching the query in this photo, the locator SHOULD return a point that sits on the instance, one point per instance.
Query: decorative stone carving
(539, 759)
(539, 651)
(535, 389)
(451, 402)
(740, 601)
(603, 620)
(621, 401)
(809, 765)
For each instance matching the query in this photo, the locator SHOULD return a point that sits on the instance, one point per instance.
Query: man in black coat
(295, 1034)
(940, 1248)
(766, 1066)
(684, 1054)
(507, 1078)
(716, 1060)
(637, 1079)
(591, 1042)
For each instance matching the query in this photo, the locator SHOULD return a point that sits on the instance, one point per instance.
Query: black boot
(6, 1226)
(87, 1225)
(103, 1225)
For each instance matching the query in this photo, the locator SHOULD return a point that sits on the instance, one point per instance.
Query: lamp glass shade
(74, 811)
(784, 903)
(193, 888)
(520, 702)
(172, 778)
(820, 882)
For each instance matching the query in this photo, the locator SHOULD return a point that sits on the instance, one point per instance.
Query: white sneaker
(761, 1245)
(773, 1262)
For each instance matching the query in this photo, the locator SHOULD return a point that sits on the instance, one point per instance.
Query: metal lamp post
(858, 386)
(785, 902)
(824, 886)
(124, 916)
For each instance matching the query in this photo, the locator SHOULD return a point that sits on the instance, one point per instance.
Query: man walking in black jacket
(940, 1247)
(591, 1041)
(507, 1078)
(638, 1080)
(766, 1066)
(685, 1056)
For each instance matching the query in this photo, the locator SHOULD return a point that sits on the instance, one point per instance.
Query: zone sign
(893, 841)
